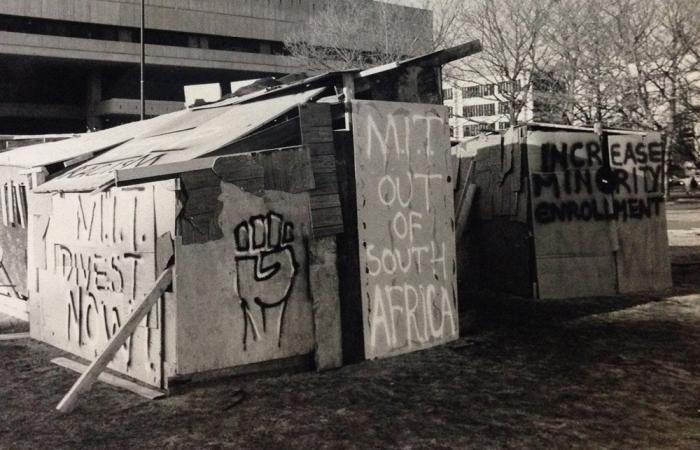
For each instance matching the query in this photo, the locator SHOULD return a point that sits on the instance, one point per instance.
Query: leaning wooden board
(406, 226)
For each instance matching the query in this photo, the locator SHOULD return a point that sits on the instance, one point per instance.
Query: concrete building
(481, 106)
(70, 65)
(478, 107)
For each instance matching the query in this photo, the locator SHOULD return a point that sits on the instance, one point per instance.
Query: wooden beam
(161, 170)
(14, 307)
(144, 391)
(283, 134)
(465, 183)
(464, 212)
(13, 336)
(349, 91)
(88, 378)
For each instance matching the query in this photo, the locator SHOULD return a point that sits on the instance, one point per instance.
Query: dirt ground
(609, 372)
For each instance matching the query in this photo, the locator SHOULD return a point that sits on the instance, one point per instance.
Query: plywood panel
(406, 226)
(244, 298)
(13, 235)
(642, 260)
(571, 214)
(315, 122)
(323, 278)
(99, 261)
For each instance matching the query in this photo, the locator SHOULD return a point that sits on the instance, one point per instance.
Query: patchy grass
(619, 372)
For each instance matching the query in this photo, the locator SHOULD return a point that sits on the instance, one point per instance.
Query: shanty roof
(192, 133)
(183, 136)
(45, 154)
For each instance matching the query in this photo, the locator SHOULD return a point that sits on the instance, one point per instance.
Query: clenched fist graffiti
(265, 271)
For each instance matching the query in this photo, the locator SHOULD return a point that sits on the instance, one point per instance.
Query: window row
(481, 90)
(505, 87)
(484, 90)
(82, 30)
(473, 130)
(484, 109)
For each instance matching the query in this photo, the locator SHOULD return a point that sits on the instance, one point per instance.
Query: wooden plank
(161, 170)
(88, 377)
(11, 203)
(287, 170)
(384, 167)
(642, 256)
(14, 336)
(14, 307)
(10, 284)
(287, 365)
(325, 217)
(113, 380)
(464, 188)
(199, 179)
(326, 183)
(22, 217)
(566, 246)
(323, 284)
(331, 230)
(322, 148)
(202, 200)
(325, 201)
(323, 164)
(314, 115)
(318, 134)
(3, 200)
(164, 251)
(464, 213)
(238, 168)
(279, 135)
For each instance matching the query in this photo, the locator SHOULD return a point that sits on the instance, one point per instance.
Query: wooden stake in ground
(88, 378)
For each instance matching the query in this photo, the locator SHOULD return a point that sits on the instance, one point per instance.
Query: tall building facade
(481, 106)
(72, 65)
(478, 107)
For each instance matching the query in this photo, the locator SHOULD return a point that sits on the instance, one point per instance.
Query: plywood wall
(13, 232)
(598, 213)
(497, 251)
(642, 258)
(243, 290)
(406, 226)
(92, 258)
(563, 169)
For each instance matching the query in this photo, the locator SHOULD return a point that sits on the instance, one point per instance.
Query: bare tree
(514, 50)
(344, 34)
(661, 44)
(587, 62)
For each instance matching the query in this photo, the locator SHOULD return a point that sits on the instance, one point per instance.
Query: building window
(503, 108)
(473, 130)
(482, 90)
(504, 125)
(447, 94)
(507, 87)
(452, 131)
(484, 109)
(450, 111)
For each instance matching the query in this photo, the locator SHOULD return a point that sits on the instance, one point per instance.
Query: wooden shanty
(305, 222)
(561, 211)
(23, 169)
